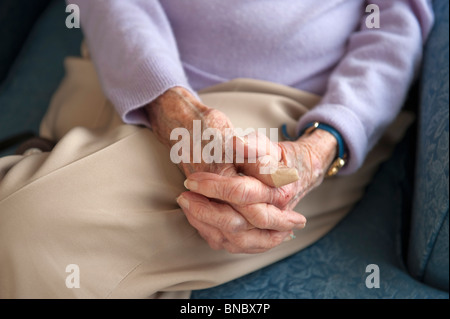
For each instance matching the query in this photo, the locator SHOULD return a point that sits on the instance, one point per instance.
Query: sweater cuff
(348, 125)
(146, 81)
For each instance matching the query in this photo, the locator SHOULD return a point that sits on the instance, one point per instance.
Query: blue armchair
(399, 230)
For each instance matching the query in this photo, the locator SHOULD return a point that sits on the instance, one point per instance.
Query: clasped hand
(234, 206)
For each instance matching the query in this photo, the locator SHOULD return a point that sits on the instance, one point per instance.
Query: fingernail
(300, 226)
(191, 185)
(183, 202)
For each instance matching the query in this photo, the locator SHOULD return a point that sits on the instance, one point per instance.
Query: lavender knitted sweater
(141, 48)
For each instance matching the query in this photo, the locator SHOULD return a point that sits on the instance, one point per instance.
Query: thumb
(253, 146)
(257, 156)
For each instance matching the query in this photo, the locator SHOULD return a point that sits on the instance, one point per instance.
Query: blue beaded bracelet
(339, 162)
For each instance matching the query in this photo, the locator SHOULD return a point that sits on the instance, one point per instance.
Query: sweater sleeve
(134, 51)
(368, 87)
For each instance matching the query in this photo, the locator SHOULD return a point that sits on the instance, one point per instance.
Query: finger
(237, 241)
(218, 215)
(259, 157)
(269, 173)
(236, 190)
(240, 218)
(250, 242)
(239, 190)
(213, 236)
(254, 145)
(266, 216)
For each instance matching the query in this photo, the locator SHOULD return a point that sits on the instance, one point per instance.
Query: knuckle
(277, 239)
(229, 221)
(235, 225)
(235, 244)
(215, 241)
(282, 196)
(199, 210)
(272, 240)
(258, 215)
(218, 190)
(266, 165)
(221, 242)
(236, 192)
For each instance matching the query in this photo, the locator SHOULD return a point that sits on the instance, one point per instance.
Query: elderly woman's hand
(310, 156)
(244, 225)
(263, 207)
(178, 108)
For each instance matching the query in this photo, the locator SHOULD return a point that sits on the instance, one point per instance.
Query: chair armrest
(428, 253)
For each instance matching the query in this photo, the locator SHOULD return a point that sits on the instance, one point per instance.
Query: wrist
(176, 107)
(323, 146)
(340, 154)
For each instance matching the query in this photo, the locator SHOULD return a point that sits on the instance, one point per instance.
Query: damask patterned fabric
(429, 244)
